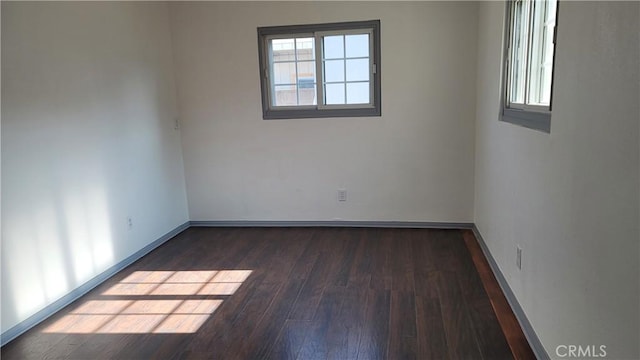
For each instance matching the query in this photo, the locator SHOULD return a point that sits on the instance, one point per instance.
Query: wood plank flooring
(289, 293)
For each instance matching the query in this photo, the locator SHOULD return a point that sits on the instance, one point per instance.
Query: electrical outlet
(519, 257)
(176, 123)
(342, 194)
(129, 222)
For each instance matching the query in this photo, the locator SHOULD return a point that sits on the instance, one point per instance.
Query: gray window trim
(374, 109)
(522, 116)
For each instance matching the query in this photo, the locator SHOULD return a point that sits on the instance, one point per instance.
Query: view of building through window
(345, 70)
(294, 71)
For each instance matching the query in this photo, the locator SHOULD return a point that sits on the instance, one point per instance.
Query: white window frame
(318, 31)
(532, 116)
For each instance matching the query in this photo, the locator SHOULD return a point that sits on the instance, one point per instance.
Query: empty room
(320, 180)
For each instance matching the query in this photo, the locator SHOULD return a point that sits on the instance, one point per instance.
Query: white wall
(415, 163)
(569, 198)
(88, 139)
(88, 101)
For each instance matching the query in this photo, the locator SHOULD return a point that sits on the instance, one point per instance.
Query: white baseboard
(336, 223)
(527, 329)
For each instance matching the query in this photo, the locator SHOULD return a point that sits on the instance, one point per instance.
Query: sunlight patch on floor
(153, 302)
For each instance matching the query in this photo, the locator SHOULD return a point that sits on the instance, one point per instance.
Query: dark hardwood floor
(289, 293)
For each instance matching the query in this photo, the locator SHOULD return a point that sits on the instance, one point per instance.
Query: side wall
(569, 198)
(88, 140)
(415, 163)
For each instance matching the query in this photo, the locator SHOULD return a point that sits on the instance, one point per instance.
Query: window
(322, 70)
(529, 55)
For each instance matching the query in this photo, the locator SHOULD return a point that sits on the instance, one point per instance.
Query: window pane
(358, 93)
(519, 31)
(307, 93)
(357, 45)
(307, 69)
(307, 83)
(334, 70)
(358, 70)
(541, 59)
(285, 95)
(333, 47)
(282, 49)
(284, 73)
(535, 60)
(334, 94)
(305, 49)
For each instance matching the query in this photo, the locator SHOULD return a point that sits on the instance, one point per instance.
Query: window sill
(315, 113)
(530, 119)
